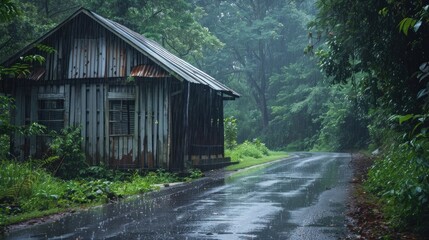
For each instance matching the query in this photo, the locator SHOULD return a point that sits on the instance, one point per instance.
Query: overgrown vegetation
(251, 153)
(27, 188)
(254, 149)
(63, 180)
(388, 69)
(66, 146)
(374, 56)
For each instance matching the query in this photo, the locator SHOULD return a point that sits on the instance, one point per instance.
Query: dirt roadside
(365, 218)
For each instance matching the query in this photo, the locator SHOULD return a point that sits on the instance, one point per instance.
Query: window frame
(126, 114)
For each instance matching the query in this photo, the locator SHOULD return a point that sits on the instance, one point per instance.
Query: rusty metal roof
(175, 65)
(150, 71)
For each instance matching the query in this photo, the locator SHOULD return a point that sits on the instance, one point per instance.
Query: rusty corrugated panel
(35, 75)
(151, 71)
(168, 61)
(160, 55)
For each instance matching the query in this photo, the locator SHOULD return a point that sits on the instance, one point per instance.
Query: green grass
(251, 161)
(252, 153)
(31, 215)
(28, 191)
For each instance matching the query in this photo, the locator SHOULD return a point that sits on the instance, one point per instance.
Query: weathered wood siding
(93, 107)
(132, 112)
(86, 50)
(206, 134)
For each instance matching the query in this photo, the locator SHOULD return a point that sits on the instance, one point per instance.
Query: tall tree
(174, 24)
(171, 23)
(260, 38)
(364, 36)
(301, 101)
(381, 48)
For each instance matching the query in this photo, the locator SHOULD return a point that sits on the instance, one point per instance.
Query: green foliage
(88, 191)
(401, 180)
(250, 161)
(344, 125)
(406, 24)
(67, 146)
(30, 23)
(230, 132)
(301, 99)
(103, 173)
(16, 180)
(4, 146)
(160, 176)
(390, 84)
(24, 187)
(5, 127)
(7, 104)
(174, 24)
(254, 149)
(260, 39)
(8, 10)
(137, 185)
(355, 52)
(195, 173)
(140, 184)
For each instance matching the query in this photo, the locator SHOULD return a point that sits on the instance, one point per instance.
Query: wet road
(298, 198)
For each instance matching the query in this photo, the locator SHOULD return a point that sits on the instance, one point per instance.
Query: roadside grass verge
(250, 161)
(28, 191)
(252, 153)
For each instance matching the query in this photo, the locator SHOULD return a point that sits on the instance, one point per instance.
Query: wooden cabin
(138, 105)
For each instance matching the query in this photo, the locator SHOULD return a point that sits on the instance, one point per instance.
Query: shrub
(136, 185)
(255, 149)
(194, 173)
(102, 172)
(401, 180)
(87, 192)
(67, 146)
(24, 188)
(230, 133)
(160, 176)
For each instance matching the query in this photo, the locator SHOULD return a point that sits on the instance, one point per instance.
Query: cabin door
(121, 133)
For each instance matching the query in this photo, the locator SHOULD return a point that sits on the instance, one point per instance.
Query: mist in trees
(283, 57)
(263, 59)
(327, 75)
(255, 47)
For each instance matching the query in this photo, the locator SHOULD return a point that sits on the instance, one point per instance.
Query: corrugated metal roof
(169, 61)
(150, 71)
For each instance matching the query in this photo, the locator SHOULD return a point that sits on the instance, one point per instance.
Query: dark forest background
(323, 75)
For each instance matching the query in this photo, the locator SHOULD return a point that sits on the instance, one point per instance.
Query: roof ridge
(156, 52)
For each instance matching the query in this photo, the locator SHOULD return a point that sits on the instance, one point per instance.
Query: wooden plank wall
(206, 131)
(81, 71)
(177, 126)
(87, 105)
(163, 133)
(85, 50)
(153, 114)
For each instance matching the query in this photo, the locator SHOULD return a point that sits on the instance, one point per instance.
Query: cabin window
(51, 113)
(121, 117)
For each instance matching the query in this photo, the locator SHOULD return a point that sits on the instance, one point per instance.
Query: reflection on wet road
(298, 198)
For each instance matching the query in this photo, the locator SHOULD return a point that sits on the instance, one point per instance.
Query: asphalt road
(299, 198)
